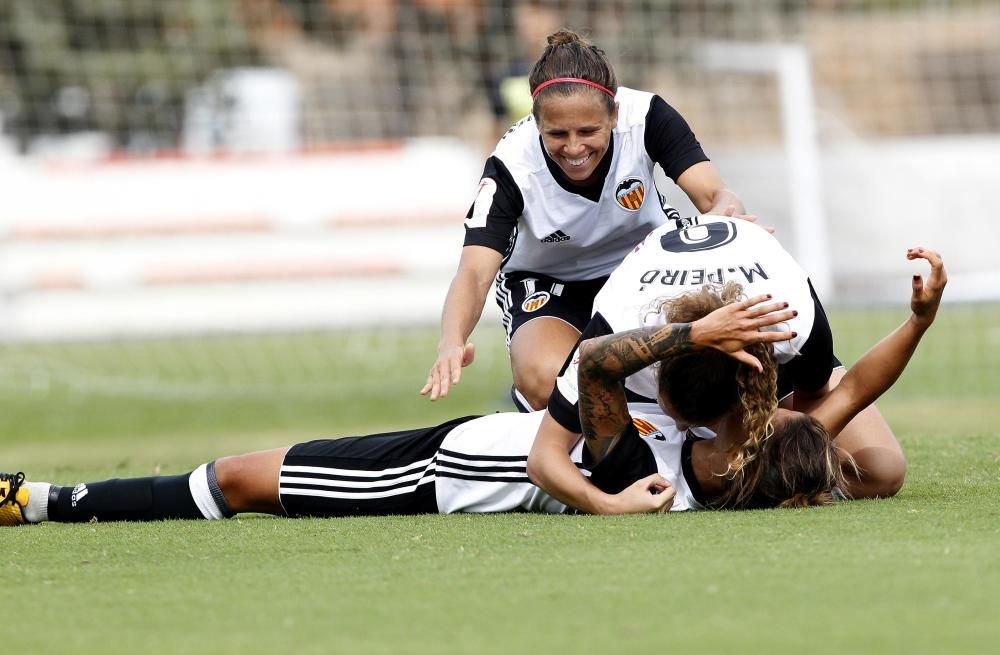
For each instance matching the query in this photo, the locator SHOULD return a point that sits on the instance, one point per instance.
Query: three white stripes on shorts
(326, 482)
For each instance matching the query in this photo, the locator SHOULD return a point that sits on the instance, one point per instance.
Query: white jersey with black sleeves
(526, 210)
(481, 466)
(671, 261)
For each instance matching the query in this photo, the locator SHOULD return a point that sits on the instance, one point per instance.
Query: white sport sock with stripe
(206, 493)
(37, 509)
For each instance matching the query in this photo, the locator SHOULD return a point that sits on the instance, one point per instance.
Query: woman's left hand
(926, 296)
(733, 327)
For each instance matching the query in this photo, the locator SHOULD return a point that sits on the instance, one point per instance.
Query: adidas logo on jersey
(556, 237)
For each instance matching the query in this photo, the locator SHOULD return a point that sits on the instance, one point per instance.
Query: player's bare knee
(535, 382)
(535, 398)
(231, 474)
(888, 478)
(882, 473)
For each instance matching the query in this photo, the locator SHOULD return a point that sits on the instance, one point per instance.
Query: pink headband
(577, 80)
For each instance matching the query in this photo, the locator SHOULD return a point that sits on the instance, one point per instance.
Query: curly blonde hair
(797, 466)
(756, 392)
(721, 384)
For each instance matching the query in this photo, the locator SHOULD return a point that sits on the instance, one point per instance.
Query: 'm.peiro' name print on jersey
(742, 273)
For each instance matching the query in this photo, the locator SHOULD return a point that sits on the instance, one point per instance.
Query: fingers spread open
(765, 308)
(774, 336)
(755, 300)
(775, 317)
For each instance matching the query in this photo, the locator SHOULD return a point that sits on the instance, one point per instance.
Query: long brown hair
(569, 55)
(796, 466)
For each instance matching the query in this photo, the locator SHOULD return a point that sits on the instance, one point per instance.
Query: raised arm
(882, 365)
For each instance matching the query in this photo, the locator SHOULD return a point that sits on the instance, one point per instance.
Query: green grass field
(919, 573)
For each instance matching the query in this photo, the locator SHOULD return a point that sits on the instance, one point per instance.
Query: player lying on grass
(465, 465)
(479, 464)
(671, 261)
(740, 409)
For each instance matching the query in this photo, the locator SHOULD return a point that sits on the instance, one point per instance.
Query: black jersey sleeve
(669, 140)
(811, 368)
(492, 225)
(629, 460)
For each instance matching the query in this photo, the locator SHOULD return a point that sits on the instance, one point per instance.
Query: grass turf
(917, 573)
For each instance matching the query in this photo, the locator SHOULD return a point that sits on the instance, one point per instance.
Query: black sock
(134, 499)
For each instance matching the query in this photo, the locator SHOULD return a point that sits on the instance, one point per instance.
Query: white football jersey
(541, 226)
(671, 261)
(490, 454)
(481, 465)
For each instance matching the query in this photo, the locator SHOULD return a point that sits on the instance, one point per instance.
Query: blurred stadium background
(263, 199)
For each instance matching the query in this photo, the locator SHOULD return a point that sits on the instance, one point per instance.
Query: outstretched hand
(738, 325)
(447, 370)
(926, 296)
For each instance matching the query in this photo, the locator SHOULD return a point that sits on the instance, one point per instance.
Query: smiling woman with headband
(566, 194)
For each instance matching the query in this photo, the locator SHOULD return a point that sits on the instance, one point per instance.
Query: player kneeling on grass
(479, 464)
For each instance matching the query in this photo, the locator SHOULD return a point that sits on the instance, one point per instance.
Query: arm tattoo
(605, 362)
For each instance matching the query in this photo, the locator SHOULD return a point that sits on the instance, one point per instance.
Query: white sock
(37, 509)
(201, 491)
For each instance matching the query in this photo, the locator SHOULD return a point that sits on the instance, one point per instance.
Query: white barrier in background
(880, 198)
(235, 244)
(145, 248)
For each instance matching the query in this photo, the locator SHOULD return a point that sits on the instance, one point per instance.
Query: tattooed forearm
(605, 362)
(617, 356)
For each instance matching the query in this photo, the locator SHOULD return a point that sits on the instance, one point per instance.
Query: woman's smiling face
(576, 132)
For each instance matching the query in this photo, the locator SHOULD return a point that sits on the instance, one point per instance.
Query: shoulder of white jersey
(789, 281)
(628, 297)
(746, 234)
(519, 148)
(633, 106)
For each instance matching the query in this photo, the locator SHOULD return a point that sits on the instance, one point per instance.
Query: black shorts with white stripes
(390, 473)
(524, 296)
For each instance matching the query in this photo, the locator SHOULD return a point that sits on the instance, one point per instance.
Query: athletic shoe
(13, 498)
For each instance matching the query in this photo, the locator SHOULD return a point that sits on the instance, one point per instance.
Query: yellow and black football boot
(13, 498)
